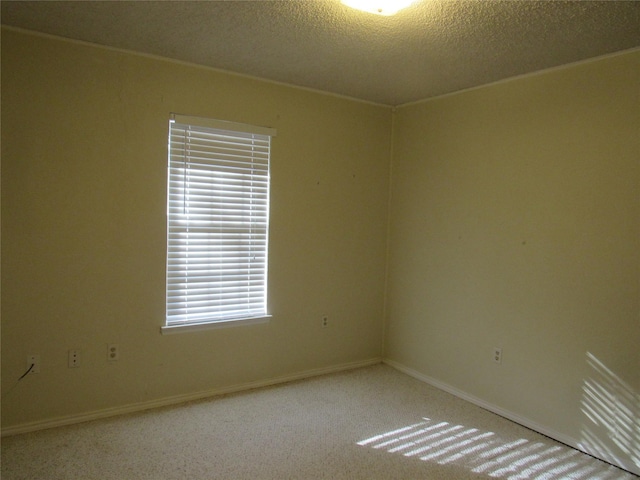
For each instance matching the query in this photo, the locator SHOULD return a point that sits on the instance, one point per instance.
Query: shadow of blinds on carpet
(486, 453)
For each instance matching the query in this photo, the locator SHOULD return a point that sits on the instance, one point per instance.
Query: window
(217, 223)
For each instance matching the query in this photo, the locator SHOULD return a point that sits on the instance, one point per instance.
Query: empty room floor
(368, 423)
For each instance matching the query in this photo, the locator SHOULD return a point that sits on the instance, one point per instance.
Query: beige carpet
(370, 423)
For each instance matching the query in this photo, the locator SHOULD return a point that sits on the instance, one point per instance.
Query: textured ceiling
(432, 48)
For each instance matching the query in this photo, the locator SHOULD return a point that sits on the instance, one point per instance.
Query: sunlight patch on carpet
(486, 453)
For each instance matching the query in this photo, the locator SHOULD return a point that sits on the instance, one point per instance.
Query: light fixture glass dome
(379, 7)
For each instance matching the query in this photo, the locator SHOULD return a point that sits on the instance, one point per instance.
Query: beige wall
(515, 223)
(84, 135)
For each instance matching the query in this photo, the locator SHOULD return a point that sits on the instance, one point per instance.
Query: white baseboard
(177, 399)
(514, 417)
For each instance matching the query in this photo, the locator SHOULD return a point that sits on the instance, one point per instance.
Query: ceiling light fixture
(379, 7)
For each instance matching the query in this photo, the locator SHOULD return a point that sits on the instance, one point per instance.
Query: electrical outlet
(113, 352)
(497, 355)
(35, 361)
(325, 321)
(74, 358)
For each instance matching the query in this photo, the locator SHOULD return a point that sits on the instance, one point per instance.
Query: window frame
(240, 132)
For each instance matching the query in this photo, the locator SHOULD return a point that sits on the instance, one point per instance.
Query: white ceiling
(432, 48)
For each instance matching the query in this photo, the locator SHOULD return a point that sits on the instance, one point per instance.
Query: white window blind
(218, 219)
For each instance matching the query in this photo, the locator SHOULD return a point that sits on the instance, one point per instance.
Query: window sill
(196, 327)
